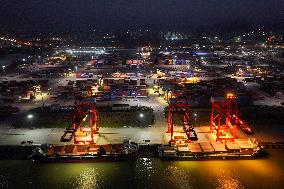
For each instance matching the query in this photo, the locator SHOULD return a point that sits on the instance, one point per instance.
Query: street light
(195, 116)
(31, 120)
(141, 115)
(30, 116)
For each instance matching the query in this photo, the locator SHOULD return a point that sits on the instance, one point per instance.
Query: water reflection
(3, 182)
(146, 173)
(178, 177)
(88, 178)
(226, 179)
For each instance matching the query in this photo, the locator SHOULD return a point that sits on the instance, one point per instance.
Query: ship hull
(84, 159)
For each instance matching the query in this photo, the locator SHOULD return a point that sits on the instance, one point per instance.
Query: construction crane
(225, 118)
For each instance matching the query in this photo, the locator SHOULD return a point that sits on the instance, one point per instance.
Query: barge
(237, 149)
(85, 153)
(193, 151)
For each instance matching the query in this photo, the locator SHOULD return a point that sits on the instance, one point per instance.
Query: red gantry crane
(84, 113)
(183, 113)
(226, 111)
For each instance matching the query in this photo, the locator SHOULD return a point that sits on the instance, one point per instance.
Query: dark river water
(267, 173)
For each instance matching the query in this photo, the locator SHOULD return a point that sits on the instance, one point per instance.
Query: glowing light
(230, 95)
(30, 116)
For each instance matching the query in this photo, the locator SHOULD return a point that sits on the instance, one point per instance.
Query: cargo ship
(85, 152)
(193, 151)
(237, 149)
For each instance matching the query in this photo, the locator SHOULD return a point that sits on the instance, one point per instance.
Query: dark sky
(58, 15)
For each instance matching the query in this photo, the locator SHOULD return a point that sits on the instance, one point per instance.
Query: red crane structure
(183, 113)
(83, 111)
(225, 118)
